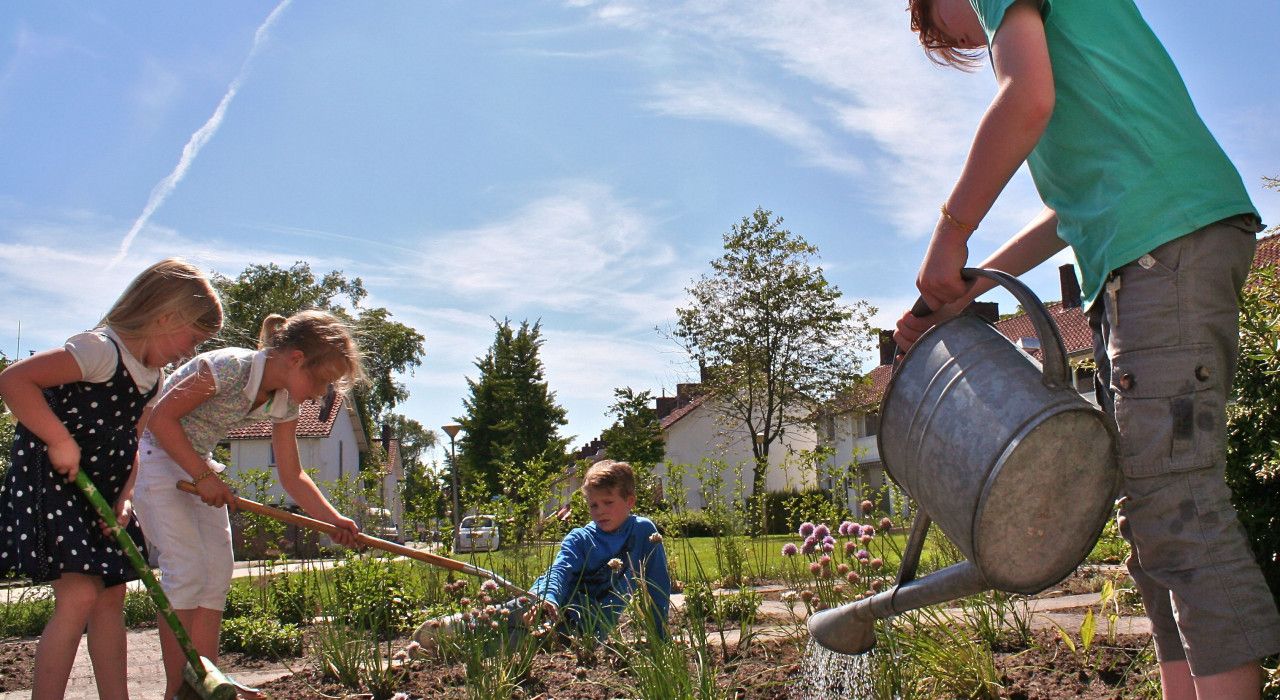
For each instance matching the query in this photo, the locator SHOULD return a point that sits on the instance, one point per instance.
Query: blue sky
(574, 162)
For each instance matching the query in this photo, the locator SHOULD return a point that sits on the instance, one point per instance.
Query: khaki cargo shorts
(1165, 341)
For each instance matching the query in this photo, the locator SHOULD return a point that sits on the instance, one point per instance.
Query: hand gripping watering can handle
(1056, 371)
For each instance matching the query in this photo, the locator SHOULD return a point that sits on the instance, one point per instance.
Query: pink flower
(810, 544)
(877, 563)
(828, 547)
(814, 568)
(844, 528)
(868, 531)
(852, 577)
(843, 569)
(849, 547)
(806, 529)
(789, 550)
(867, 506)
(885, 523)
(821, 531)
(489, 585)
(824, 560)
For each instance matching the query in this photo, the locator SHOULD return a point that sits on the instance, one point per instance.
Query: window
(271, 455)
(871, 424)
(339, 459)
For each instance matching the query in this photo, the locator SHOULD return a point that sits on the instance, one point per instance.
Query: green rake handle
(215, 686)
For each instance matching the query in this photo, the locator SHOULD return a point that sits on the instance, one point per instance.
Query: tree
(636, 434)
(7, 427)
(389, 347)
(636, 438)
(511, 415)
(773, 336)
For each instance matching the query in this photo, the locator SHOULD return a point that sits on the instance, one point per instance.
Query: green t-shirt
(1125, 161)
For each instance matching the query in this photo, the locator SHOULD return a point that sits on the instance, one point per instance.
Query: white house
(330, 449)
(695, 433)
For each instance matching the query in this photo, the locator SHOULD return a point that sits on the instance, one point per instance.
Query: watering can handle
(1056, 371)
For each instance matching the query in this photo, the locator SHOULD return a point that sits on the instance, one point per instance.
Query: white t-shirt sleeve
(95, 354)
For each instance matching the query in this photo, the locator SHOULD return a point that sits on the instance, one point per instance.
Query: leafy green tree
(1253, 424)
(636, 438)
(773, 335)
(389, 347)
(511, 415)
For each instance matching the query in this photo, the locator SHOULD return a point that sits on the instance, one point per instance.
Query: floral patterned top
(237, 374)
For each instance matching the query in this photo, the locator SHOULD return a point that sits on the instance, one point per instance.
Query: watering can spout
(850, 628)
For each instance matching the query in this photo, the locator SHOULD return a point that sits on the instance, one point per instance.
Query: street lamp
(452, 429)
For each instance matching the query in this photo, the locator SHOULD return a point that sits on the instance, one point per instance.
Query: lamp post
(452, 429)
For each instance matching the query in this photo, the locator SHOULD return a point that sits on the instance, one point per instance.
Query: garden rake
(201, 679)
(364, 540)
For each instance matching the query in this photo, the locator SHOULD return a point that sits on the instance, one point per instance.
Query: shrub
(368, 595)
(241, 602)
(261, 637)
(139, 608)
(295, 598)
(1253, 424)
(27, 616)
(688, 523)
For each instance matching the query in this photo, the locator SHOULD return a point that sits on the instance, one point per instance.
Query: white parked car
(477, 533)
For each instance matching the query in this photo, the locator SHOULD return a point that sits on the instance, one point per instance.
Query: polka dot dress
(47, 528)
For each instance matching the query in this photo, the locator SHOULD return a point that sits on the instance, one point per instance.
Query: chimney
(888, 348)
(386, 437)
(1070, 286)
(664, 405)
(988, 311)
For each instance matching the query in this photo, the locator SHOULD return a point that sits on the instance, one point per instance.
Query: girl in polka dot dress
(81, 407)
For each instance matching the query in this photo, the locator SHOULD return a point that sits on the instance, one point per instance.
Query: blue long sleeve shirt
(581, 575)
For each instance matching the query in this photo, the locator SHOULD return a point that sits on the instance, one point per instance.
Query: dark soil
(17, 664)
(769, 670)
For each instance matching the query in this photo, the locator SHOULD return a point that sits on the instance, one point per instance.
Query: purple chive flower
(810, 544)
(845, 527)
(828, 540)
(806, 529)
(863, 554)
(849, 547)
(789, 550)
(828, 547)
(821, 530)
(868, 530)
(814, 567)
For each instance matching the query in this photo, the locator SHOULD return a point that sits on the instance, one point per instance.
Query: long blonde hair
(325, 341)
(172, 287)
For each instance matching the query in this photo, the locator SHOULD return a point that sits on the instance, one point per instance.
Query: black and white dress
(47, 528)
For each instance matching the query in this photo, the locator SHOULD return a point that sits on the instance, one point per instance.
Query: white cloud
(579, 251)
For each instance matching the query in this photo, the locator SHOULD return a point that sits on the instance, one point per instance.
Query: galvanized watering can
(1016, 467)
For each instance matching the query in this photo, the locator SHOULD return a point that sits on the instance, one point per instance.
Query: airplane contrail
(165, 187)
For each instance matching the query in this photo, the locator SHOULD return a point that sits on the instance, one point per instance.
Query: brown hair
(940, 48)
(608, 474)
(331, 353)
(171, 287)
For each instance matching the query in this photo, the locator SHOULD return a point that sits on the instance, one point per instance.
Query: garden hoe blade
(201, 678)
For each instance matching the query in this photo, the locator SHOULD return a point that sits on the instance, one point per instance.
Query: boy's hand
(545, 607)
(64, 457)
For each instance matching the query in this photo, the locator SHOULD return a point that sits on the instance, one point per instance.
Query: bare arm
(22, 385)
(165, 424)
(1008, 132)
(299, 485)
(1036, 242)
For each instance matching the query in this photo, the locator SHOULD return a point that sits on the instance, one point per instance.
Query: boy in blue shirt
(599, 564)
(1163, 234)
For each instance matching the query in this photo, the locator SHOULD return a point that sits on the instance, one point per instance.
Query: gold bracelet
(204, 475)
(967, 228)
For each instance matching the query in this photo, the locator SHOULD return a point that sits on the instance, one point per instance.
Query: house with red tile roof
(851, 424)
(329, 449)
